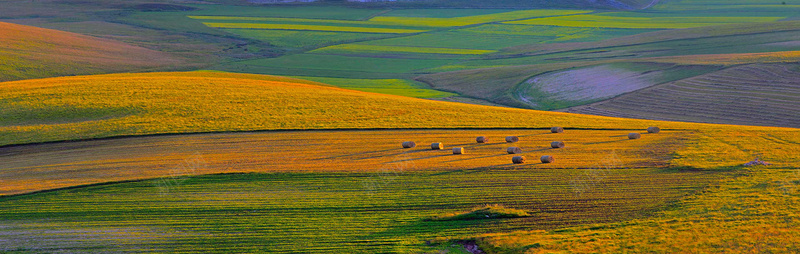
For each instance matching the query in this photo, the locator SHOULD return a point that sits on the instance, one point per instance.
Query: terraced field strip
(69, 164)
(752, 94)
(612, 20)
(312, 28)
(356, 48)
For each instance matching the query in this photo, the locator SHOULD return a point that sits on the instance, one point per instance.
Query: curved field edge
(192, 102)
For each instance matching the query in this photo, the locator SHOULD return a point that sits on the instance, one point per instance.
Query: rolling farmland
(360, 148)
(750, 94)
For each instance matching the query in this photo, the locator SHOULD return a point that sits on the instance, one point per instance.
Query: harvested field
(68, 164)
(764, 94)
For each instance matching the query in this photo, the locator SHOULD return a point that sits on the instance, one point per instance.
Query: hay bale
(482, 139)
(556, 130)
(518, 159)
(437, 146)
(458, 150)
(557, 144)
(512, 139)
(634, 135)
(653, 129)
(514, 150)
(409, 144)
(547, 159)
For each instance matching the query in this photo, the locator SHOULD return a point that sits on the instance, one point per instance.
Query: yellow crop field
(608, 21)
(312, 28)
(404, 49)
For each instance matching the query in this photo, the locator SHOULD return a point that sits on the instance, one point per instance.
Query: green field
(372, 212)
(301, 39)
(384, 86)
(315, 62)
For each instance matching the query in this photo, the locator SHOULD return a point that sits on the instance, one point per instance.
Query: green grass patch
(400, 87)
(484, 212)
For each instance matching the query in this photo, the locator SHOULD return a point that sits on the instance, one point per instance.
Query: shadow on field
(423, 158)
(537, 134)
(405, 151)
(474, 144)
(607, 142)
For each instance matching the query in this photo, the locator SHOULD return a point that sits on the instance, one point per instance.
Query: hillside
(31, 52)
(96, 106)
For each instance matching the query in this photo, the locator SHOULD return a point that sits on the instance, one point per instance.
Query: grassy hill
(31, 52)
(97, 106)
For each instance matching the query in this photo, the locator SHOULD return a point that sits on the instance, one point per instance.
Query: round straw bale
(512, 139)
(458, 150)
(653, 129)
(514, 150)
(634, 135)
(547, 159)
(557, 144)
(482, 139)
(518, 159)
(437, 146)
(409, 144)
(556, 129)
